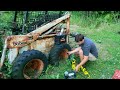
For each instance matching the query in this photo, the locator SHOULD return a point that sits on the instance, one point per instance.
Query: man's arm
(85, 59)
(75, 50)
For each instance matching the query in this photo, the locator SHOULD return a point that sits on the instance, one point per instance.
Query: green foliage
(94, 19)
(1, 46)
(7, 69)
(5, 20)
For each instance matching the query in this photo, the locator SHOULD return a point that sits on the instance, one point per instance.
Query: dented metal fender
(43, 45)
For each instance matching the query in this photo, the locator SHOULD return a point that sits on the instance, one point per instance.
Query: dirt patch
(72, 42)
(103, 53)
(73, 28)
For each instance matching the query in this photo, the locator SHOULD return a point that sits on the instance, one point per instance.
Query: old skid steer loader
(30, 54)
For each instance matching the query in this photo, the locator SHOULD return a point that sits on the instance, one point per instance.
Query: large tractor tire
(29, 65)
(59, 52)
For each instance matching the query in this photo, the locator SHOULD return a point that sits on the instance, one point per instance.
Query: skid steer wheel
(59, 52)
(29, 65)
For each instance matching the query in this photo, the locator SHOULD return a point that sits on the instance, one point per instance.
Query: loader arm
(17, 41)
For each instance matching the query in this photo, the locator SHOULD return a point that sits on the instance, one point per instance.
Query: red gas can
(116, 74)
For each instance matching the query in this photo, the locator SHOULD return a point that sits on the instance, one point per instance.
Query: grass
(106, 38)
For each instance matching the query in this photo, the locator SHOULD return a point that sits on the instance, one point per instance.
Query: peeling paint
(43, 45)
(12, 54)
(25, 48)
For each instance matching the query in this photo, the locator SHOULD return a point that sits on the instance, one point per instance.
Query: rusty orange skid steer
(30, 54)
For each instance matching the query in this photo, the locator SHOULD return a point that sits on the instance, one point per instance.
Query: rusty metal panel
(12, 54)
(43, 45)
(25, 48)
(20, 40)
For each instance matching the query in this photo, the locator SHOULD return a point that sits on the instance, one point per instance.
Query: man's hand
(73, 51)
(77, 68)
(81, 63)
(68, 53)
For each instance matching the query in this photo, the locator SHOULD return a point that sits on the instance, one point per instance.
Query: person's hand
(68, 53)
(77, 68)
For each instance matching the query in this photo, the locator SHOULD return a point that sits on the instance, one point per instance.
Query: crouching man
(87, 50)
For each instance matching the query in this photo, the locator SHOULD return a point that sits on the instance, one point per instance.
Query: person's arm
(73, 51)
(85, 59)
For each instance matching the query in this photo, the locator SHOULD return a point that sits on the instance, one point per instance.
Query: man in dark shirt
(86, 50)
